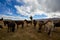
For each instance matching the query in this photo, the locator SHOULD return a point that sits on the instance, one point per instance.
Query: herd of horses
(48, 24)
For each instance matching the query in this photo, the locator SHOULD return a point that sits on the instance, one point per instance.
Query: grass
(28, 33)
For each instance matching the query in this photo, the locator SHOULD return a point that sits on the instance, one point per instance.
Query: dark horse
(28, 21)
(57, 24)
(1, 25)
(5, 23)
(11, 26)
(41, 23)
(1, 19)
(19, 23)
(34, 22)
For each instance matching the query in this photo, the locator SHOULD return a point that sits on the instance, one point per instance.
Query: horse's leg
(39, 30)
(34, 25)
(8, 30)
(54, 28)
(49, 32)
(27, 24)
(1, 26)
(4, 24)
(45, 28)
(22, 25)
(17, 26)
(13, 28)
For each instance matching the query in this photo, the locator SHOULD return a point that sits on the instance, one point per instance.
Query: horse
(1, 19)
(41, 23)
(57, 24)
(49, 26)
(11, 26)
(28, 21)
(19, 23)
(34, 22)
(5, 23)
(1, 26)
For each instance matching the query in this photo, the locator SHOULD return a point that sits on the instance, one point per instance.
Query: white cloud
(28, 10)
(36, 7)
(56, 15)
(31, 8)
(14, 17)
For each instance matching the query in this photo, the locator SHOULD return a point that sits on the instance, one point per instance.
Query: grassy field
(28, 33)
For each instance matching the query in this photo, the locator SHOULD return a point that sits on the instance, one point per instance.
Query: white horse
(49, 27)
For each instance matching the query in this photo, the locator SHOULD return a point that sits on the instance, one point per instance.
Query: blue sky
(21, 9)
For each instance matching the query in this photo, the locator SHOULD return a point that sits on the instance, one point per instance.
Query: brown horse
(41, 23)
(19, 23)
(1, 20)
(28, 21)
(34, 22)
(5, 23)
(11, 26)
